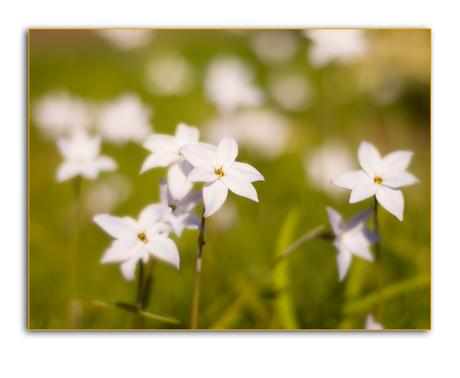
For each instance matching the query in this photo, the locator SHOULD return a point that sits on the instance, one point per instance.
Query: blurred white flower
(292, 91)
(379, 177)
(168, 75)
(181, 215)
(220, 172)
(106, 194)
(262, 131)
(81, 154)
(125, 119)
(166, 152)
(335, 45)
(371, 323)
(325, 163)
(127, 39)
(352, 238)
(228, 84)
(137, 240)
(274, 46)
(60, 114)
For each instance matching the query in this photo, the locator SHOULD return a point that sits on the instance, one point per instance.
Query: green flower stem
(196, 293)
(378, 265)
(74, 304)
(247, 293)
(139, 303)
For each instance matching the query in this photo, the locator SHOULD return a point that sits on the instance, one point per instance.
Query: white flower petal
(371, 323)
(122, 250)
(159, 159)
(343, 262)
(177, 222)
(226, 153)
(164, 249)
(371, 236)
(238, 184)
(248, 171)
(364, 189)
(214, 196)
(90, 171)
(196, 155)
(348, 180)
(64, 147)
(397, 161)
(190, 201)
(370, 160)
(67, 170)
(177, 179)
(105, 163)
(125, 228)
(392, 200)
(160, 142)
(336, 221)
(153, 213)
(186, 135)
(165, 196)
(192, 221)
(202, 174)
(396, 179)
(357, 243)
(153, 229)
(128, 268)
(358, 220)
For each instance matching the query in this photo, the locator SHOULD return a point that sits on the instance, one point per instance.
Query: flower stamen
(219, 172)
(142, 237)
(378, 180)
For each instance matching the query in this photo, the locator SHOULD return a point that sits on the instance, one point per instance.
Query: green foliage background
(301, 293)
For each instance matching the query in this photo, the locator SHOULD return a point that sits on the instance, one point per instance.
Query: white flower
(166, 152)
(138, 239)
(352, 238)
(61, 114)
(371, 323)
(379, 177)
(81, 154)
(228, 84)
(181, 215)
(125, 119)
(220, 172)
(335, 45)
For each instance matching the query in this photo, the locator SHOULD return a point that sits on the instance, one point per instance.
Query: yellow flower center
(219, 172)
(172, 207)
(142, 237)
(378, 180)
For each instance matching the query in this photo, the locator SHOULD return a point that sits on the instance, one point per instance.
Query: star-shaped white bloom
(352, 238)
(166, 151)
(81, 154)
(181, 215)
(220, 172)
(379, 177)
(138, 239)
(371, 323)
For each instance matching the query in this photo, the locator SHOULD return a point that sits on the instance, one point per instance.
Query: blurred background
(299, 103)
